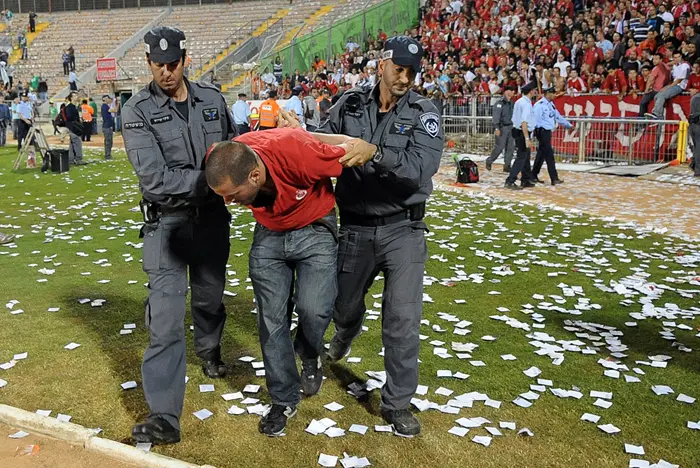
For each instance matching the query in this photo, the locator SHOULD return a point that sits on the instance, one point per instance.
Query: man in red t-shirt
(694, 80)
(593, 54)
(284, 176)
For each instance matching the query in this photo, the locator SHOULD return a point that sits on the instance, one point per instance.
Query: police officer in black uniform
(167, 129)
(382, 205)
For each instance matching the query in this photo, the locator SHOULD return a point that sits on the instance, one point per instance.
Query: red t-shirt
(576, 84)
(694, 82)
(593, 56)
(301, 168)
(639, 85)
(613, 83)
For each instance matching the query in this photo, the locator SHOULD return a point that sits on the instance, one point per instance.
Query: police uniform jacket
(695, 110)
(503, 114)
(166, 150)
(411, 139)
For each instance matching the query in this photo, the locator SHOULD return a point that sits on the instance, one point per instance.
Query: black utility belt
(152, 212)
(414, 213)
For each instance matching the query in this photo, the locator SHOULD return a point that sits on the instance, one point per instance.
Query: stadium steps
(226, 52)
(310, 22)
(17, 53)
(313, 19)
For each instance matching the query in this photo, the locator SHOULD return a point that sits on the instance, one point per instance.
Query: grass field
(84, 225)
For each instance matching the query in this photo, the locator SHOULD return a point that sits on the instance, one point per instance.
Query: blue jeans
(275, 258)
(662, 97)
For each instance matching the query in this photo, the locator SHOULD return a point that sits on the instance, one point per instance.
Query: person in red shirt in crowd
(381, 35)
(615, 83)
(331, 84)
(680, 9)
(576, 84)
(593, 55)
(284, 177)
(679, 32)
(656, 81)
(635, 83)
(650, 42)
(480, 86)
(694, 80)
(595, 80)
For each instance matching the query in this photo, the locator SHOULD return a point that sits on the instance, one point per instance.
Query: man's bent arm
(331, 139)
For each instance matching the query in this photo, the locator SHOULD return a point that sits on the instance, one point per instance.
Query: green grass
(98, 201)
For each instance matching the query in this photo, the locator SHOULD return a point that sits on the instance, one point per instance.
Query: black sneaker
(527, 184)
(537, 180)
(506, 168)
(337, 350)
(311, 376)
(489, 165)
(214, 368)
(274, 422)
(157, 431)
(557, 182)
(512, 186)
(405, 424)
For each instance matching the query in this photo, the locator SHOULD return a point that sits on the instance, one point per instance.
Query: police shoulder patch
(134, 125)
(431, 123)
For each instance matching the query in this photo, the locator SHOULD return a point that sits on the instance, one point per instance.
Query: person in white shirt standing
(241, 114)
(351, 46)
(680, 73)
(456, 6)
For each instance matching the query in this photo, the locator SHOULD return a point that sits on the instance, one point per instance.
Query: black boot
(405, 424)
(157, 431)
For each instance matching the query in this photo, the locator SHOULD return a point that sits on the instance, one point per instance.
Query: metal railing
(475, 105)
(590, 140)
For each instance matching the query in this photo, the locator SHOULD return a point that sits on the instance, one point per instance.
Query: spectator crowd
(646, 49)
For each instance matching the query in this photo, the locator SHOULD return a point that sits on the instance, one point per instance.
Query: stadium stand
(93, 35)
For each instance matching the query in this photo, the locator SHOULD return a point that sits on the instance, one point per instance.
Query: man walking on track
(546, 119)
(523, 124)
(503, 125)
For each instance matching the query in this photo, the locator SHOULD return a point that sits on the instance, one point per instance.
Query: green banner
(390, 16)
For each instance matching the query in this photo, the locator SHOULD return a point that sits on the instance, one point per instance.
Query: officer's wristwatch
(378, 154)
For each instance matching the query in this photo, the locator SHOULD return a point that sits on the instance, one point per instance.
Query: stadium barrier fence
(590, 140)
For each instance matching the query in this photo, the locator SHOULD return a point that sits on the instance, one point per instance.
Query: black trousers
(177, 249)
(87, 132)
(647, 99)
(66, 68)
(522, 159)
(545, 153)
(243, 128)
(22, 131)
(398, 251)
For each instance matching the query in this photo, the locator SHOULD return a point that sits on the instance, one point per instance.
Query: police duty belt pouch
(467, 171)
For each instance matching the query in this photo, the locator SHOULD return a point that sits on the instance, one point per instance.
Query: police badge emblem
(163, 44)
(431, 123)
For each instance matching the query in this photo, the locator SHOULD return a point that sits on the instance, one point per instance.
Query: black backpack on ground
(467, 171)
